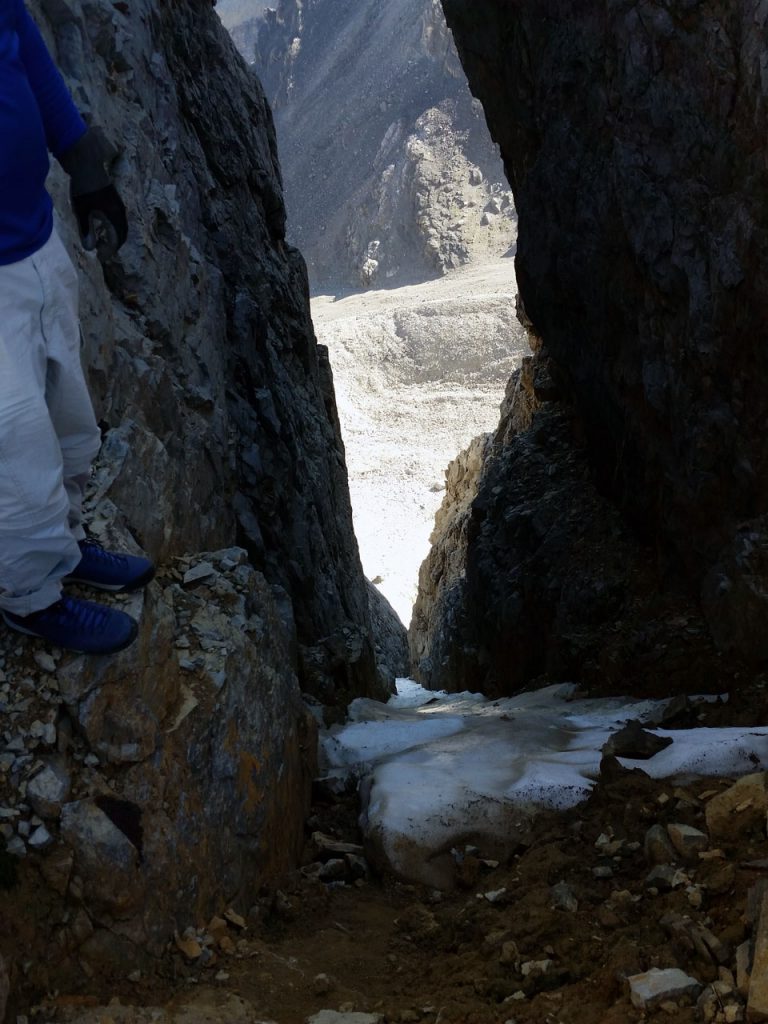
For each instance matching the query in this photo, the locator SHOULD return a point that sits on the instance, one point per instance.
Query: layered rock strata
(634, 141)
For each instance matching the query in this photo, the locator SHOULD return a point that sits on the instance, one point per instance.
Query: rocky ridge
(641, 192)
(390, 174)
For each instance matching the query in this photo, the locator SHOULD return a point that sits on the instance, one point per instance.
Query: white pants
(48, 432)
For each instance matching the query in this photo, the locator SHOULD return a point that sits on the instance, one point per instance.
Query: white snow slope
(443, 769)
(419, 371)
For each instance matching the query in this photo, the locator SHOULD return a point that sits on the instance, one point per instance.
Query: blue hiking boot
(78, 626)
(105, 570)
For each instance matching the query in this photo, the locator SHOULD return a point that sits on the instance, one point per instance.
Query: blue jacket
(36, 115)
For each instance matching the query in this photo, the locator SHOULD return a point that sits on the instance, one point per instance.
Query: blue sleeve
(61, 119)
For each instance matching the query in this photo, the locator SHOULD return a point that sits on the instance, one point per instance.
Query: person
(48, 431)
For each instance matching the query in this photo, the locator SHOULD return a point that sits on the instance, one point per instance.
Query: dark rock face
(634, 140)
(143, 792)
(534, 576)
(390, 173)
(218, 402)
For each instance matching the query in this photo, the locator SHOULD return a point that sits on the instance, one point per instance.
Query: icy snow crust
(442, 768)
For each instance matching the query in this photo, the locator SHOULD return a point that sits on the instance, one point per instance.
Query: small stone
(664, 877)
(564, 898)
(198, 573)
(689, 842)
(44, 661)
(738, 809)
(535, 968)
(334, 870)
(189, 946)
(16, 847)
(49, 790)
(657, 846)
(509, 953)
(695, 896)
(602, 871)
(327, 846)
(635, 743)
(40, 838)
(654, 987)
(358, 866)
(322, 984)
(496, 896)
(221, 976)
(235, 919)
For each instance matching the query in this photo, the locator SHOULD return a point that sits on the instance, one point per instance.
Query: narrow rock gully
(644, 876)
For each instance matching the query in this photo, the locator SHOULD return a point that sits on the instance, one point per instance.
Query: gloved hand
(100, 212)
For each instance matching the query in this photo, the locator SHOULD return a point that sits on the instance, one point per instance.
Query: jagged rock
(441, 576)
(49, 789)
(688, 841)
(657, 846)
(105, 858)
(656, 986)
(738, 809)
(676, 442)
(636, 743)
(522, 565)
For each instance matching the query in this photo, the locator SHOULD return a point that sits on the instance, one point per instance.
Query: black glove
(100, 212)
(102, 220)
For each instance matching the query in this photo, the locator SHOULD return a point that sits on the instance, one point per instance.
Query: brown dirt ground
(418, 955)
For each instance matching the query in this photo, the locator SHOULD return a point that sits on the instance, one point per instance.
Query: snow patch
(440, 768)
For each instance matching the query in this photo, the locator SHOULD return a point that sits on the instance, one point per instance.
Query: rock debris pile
(650, 900)
(115, 772)
(390, 174)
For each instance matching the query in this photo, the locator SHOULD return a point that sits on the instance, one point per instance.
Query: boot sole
(76, 650)
(112, 588)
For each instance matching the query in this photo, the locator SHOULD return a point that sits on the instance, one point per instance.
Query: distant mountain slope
(241, 19)
(390, 173)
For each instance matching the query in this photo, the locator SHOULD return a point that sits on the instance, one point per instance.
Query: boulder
(739, 809)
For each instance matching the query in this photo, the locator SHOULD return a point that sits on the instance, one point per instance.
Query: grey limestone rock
(49, 789)
(655, 986)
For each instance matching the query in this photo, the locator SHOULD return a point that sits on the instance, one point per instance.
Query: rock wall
(634, 140)
(140, 794)
(217, 403)
(390, 173)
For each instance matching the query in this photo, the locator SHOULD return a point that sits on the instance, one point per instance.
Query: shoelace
(92, 617)
(93, 550)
